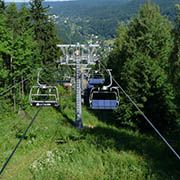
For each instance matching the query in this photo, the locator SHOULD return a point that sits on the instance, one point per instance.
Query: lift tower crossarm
(87, 55)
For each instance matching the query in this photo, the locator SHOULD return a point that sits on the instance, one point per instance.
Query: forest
(28, 41)
(145, 60)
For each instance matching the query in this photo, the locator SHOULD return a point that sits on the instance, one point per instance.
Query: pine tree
(140, 60)
(12, 17)
(5, 52)
(25, 19)
(150, 32)
(44, 29)
(2, 6)
(147, 83)
(175, 59)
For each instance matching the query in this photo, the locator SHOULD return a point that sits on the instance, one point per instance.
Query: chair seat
(104, 104)
(44, 103)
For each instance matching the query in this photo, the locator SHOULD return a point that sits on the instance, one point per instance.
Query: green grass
(54, 149)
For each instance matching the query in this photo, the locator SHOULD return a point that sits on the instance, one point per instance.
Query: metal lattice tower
(80, 56)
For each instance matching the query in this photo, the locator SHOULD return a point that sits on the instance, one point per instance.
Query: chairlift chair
(104, 99)
(95, 80)
(43, 95)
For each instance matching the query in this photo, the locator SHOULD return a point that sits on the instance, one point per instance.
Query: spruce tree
(175, 59)
(5, 53)
(2, 6)
(12, 17)
(45, 33)
(140, 60)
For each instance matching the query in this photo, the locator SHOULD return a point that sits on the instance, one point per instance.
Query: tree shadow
(160, 159)
(107, 116)
(65, 116)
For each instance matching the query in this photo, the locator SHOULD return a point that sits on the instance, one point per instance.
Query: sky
(28, 0)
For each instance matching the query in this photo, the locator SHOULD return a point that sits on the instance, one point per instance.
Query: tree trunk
(14, 95)
(22, 86)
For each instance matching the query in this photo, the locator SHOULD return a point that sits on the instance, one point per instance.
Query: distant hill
(80, 18)
(101, 17)
(107, 8)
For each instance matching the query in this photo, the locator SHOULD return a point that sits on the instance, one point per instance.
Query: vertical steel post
(78, 121)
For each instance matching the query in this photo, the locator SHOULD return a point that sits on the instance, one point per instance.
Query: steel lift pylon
(80, 56)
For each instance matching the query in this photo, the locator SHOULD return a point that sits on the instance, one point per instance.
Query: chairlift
(43, 95)
(96, 80)
(47, 96)
(105, 97)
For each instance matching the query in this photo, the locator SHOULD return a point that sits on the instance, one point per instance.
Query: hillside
(106, 8)
(54, 149)
(78, 20)
(99, 17)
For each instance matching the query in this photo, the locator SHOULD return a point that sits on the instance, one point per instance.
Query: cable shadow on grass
(159, 158)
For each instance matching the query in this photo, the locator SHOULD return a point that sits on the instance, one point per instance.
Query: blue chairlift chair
(104, 99)
(95, 80)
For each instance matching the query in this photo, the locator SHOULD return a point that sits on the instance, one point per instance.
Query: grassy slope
(53, 149)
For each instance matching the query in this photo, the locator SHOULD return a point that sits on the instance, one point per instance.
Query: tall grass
(54, 149)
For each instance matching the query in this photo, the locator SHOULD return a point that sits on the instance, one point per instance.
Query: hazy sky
(28, 0)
